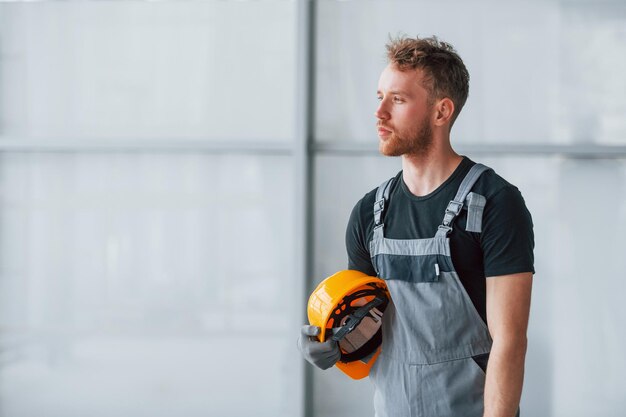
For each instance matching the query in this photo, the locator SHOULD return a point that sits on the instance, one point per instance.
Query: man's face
(403, 113)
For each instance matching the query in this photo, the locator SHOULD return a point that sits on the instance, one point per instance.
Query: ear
(444, 109)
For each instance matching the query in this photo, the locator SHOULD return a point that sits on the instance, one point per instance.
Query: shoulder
(507, 237)
(366, 204)
(490, 185)
(362, 216)
(364, 207)
(502, 198)
(505, 207)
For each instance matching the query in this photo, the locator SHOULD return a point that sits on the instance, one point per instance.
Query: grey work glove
(321, 354)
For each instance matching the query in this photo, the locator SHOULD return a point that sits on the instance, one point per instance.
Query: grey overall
(431, 330)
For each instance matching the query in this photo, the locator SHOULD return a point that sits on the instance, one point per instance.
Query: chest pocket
(414, 261)
(413, 269)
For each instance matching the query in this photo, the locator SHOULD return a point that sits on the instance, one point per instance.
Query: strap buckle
(454, 207)
(443, 229)
(452, 210)
(379, 207)
(355, 318)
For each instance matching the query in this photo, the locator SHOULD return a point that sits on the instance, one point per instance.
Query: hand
(321, 354)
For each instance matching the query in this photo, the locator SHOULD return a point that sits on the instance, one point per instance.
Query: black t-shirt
(505, 245)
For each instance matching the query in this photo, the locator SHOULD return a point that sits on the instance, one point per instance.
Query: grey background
(175, 177)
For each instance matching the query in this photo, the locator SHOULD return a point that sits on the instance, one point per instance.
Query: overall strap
(382, 197)
(456, 205)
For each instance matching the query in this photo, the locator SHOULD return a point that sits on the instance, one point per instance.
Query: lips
(383, 131)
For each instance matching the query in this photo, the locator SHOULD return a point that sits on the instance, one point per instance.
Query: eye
(397, 99)
(379, 97)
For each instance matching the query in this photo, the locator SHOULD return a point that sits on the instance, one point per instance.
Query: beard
(415, 141)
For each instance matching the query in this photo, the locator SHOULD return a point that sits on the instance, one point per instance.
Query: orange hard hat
(348, 307)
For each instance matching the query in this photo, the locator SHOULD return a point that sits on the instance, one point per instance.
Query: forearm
(505, 377)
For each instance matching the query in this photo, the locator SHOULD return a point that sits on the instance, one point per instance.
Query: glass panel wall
(542, 72)
(214, 70)
(138, 284)
(142, 283)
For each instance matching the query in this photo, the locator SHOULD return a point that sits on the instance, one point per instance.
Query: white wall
(147, 283)
(213, 70)
(142, 283)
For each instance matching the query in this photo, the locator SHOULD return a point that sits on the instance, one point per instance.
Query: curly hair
(445, 74)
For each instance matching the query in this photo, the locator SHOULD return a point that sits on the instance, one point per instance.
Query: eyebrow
(400, 92)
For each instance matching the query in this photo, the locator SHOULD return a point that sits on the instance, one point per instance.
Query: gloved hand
(321, 354)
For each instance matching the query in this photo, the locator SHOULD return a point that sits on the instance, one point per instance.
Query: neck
(424, 173)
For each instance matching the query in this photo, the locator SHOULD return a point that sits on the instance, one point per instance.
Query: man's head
(445, 74)
(425, 85)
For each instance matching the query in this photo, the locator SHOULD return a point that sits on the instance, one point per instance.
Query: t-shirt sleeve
(356, 243)
(507, 238)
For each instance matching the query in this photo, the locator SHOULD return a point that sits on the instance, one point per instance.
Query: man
(454, 243)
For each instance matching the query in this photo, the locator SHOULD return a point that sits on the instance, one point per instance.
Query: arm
(508, 307)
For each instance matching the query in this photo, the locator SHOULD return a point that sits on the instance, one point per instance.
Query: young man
(454, 243)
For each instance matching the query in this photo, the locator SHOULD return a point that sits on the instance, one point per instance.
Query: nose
(381, 112)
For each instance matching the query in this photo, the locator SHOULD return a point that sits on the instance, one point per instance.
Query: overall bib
(431, 330)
